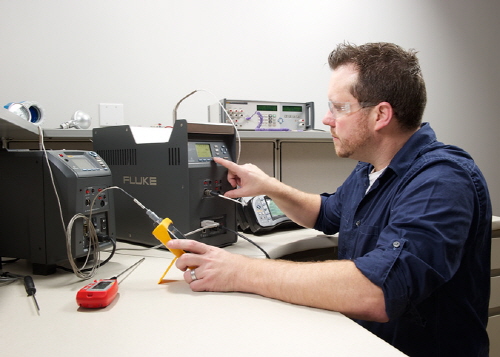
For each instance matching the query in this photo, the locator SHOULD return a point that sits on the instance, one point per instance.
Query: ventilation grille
(129, 156)
(174, 156)
(119, 156)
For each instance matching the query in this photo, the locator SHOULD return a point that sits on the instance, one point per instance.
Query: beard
(353, 145)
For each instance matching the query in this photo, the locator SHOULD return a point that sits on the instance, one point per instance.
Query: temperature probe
(101, 292)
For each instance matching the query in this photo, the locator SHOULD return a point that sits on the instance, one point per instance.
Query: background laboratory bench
(154, 319)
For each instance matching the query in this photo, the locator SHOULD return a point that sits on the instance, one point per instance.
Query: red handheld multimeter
(98, 294)
(101, 292)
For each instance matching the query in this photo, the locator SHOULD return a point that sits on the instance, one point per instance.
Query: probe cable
(93, 243)
(238, 138)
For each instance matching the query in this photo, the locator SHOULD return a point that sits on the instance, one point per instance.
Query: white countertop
(169, 319)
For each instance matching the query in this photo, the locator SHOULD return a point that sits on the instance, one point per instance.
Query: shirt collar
(413, 148)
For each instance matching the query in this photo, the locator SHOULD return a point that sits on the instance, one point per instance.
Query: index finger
(187, 245)
(226, 163)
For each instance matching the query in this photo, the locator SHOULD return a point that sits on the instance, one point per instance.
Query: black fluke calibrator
(169, 170)
(30, 217)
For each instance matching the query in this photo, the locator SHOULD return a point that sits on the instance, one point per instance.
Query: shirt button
(396, 244)
(358, 223)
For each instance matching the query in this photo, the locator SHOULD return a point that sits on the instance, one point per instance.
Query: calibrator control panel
(204, 151)
(82, 163)
(264, 115)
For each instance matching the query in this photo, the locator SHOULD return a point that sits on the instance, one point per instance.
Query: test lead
(217, 194)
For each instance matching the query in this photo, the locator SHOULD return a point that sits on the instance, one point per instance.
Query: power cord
(248, 240)
(212, 224)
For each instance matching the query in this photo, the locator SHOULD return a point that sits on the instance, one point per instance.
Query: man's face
(350, 131)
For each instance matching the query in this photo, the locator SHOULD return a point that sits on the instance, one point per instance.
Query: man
(414, 219)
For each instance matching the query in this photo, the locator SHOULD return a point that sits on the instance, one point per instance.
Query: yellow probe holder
(161, 233)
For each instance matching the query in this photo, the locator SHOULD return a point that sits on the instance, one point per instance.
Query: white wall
(147, 54)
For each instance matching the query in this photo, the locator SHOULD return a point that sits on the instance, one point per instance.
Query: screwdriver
(29, 285)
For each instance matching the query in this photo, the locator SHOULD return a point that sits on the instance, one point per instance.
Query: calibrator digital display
(83, 163)
(203, 150)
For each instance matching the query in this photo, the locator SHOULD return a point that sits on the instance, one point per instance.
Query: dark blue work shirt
(423, 234)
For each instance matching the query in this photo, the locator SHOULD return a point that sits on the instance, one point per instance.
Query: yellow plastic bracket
(166, 271)
(161, 233)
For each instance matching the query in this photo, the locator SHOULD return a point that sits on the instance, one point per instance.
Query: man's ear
(384, 115)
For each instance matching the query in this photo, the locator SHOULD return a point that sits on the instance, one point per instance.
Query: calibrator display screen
(203, 150)
(274, 209)
(292, 108)
(82, 163)
(267, 108)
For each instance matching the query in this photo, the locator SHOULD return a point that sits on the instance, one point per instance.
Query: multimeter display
(102, 285)
(267, 108)
(292, 108)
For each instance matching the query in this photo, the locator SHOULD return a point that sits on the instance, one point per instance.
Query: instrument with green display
(260, 214)
(264, 115)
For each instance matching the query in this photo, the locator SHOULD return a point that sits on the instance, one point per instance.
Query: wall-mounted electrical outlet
(111, 114)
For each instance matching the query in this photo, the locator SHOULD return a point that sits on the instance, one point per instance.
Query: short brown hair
(387, 73)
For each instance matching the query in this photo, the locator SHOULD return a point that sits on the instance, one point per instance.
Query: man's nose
(328, 119)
